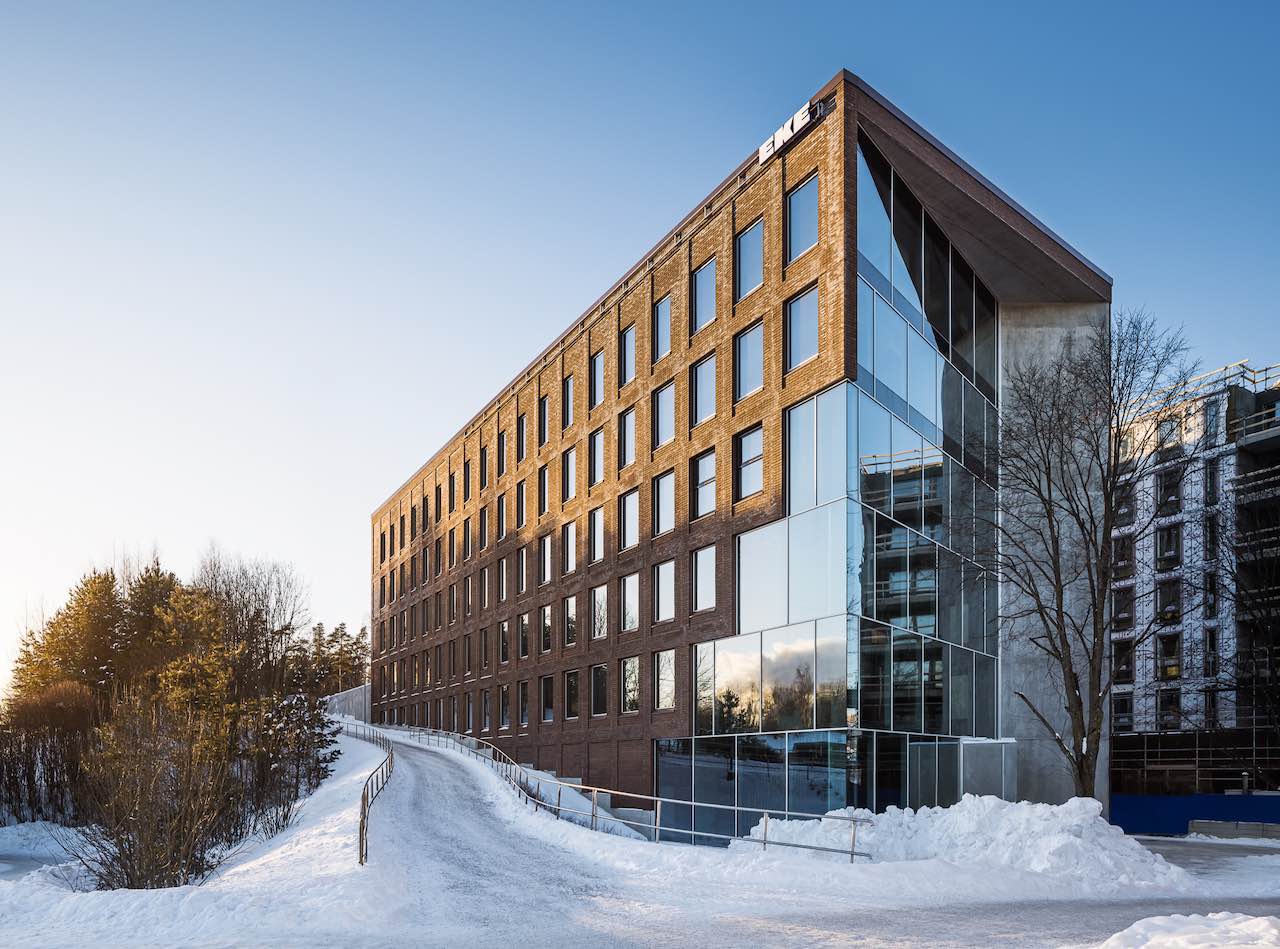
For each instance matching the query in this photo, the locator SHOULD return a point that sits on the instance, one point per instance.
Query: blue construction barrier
(1170, 813)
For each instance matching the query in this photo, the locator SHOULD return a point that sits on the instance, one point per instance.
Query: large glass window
(629, 607)
(748, 260)
(937, 285)
(664, 503)
(816, 764)
(748, 361)
(569, 546)
(907, 694)
(548, 690)
(664, 414)
(874, 660)
(674, 765)
(664, 679)
(908, 252)
(875, 455)
(629, 519)
(802, 328)
(600, 611)
(704, 296)
(713, 770)
(787, 674)
(702, 403)
(761, 778)
(875, 188)
(749, 450)
(802, 218)
(661, 328)
(569, 607)
(702, 474)
(737, 684)
(762, 577)
(834, 640)
(704, 578)
(664, 591)
(629, 684)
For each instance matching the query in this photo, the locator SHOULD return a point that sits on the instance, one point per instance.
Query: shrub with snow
(1068, 840)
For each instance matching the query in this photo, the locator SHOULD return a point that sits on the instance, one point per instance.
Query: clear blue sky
(257, 261)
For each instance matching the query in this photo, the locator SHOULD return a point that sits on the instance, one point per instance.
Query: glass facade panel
(831, 665)
(761, 778)
(875, 454)
(704, 687)
(833, 442)
(891, 359)
(673, 762)
(816, 564)
(908, 713)
(874, 665)
(787, 671)
(922, 772)
(713, 774)
(891, 771)
(737, 684)
(961, 691)
(816, 772)
(762, 577)
(801, 457)
(874, 192)
(937, 719)
(704, 391)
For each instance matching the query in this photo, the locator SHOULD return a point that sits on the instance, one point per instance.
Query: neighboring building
(1194, 622)
(724, 525)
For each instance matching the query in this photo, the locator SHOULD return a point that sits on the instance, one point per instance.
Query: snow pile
(1186, 932)
(1068, 840)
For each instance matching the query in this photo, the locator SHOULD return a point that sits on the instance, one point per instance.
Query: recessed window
(522, 697)
(596, 394)
(502, 516)
(802, 329)
(629, 519)
(748, 361)
(544, 559)
(599, 690)
(704, 578)
(702, 390)
(566, 402)
(522, 570)
(664, 591)
(502, 464)
(664, 414)
(570, 613)
(520, 446)
(484, 467)
(748, 260)
(523, 636)
(750, 463)
(626, 438)
(569, 475)
(544, 641)
(571, 694)
(704, 296)
(802, 218)
(519, 504)
(664, 679)
(629, 677)
(547, 687)
(627, 355)
(600, 611)
(664, 503)
(466, 493)
(629, 605)
(595, 457)
(543, 490)
(569, 546)
(661, 328)
(543, 423)
(595, 535)
(702, 494)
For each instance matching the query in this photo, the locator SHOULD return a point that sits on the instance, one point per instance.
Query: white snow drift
(1194, 932)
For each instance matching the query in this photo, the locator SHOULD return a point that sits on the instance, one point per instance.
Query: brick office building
(711, 529)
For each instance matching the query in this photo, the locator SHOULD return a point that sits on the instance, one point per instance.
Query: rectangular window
(519, 504)
(702, 390)
(703, 569)
(484, 467)
(629, 602)
(502, 516)
(748, 361)
(569, 606)
(703, 296)
(629, 519)
(748, 260)
(1168, 492)
(485, 721)
(802, 218)
(544, 559)
(664, 503)
(453, 491)
(571, 694)
(626, 438)
(599, 690)
(544, 639)
(522, 697)
(802, 329)
(1168, 547)
(1211, 481)
(569, 475)
(595, 535)
(664, 414)
(466, 480)
(520, 438)
(543, 490)
(484, 588)
(504, 706)
(661, 328)
(595, 457)
(749, 476)
(484, 527)
(595, 394)
(522, 567)
(522, 636)
(702, 477)
(664, 591)
(544, 409)
(466, 539)
(1210, 537)
(664, 679)
(566, 402)
(629, 676)
(600, 612)
(453, 547)
(502, 453)
(502, 579)
(627, 356)
(504, 642)
(569, 547)
(1211, 423)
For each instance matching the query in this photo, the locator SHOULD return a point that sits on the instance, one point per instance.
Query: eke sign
(788, 130)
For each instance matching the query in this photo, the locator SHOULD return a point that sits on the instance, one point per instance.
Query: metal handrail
(373, 784)
(529, 787)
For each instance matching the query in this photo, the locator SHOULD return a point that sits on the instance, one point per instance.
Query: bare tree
(1083, 429)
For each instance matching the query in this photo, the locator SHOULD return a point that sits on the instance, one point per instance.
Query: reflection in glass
(674, 764)
(936, 714)
(948, 773)
(874, 187)
(972, 593)
(762, 778)
(737, 676)
(934, 495)
(816, 564)
(866, 336)
(975, 427)
(704, 296)
(937, 283)
(832, 446)
(787, 661)
(908, 452)
(853, 671)
(922, 383)
(802, 329)
(713, 772)
(874, 454)
(748, 260)
(962, 315)
(922, 763)
(891, 359)
(874, 659)
(908, 252)
(891, 772)
(816, 780)
(832, 642)
(952, 410)
(703, 686)
(922, 595)
(891, 572)
(862, 559)
(984, 340)
(852, 474)
(762, 577)
(961, 691)
(801, 452)
(984, 696)
(907, 696)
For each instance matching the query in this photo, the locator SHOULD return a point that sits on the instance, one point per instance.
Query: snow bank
(574, 805)
(1070, 841)
(1185, 932)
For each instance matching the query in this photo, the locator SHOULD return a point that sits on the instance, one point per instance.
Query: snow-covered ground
(1192, 932)
(455, 859)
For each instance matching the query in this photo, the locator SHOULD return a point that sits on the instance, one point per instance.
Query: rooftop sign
(788, 130)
